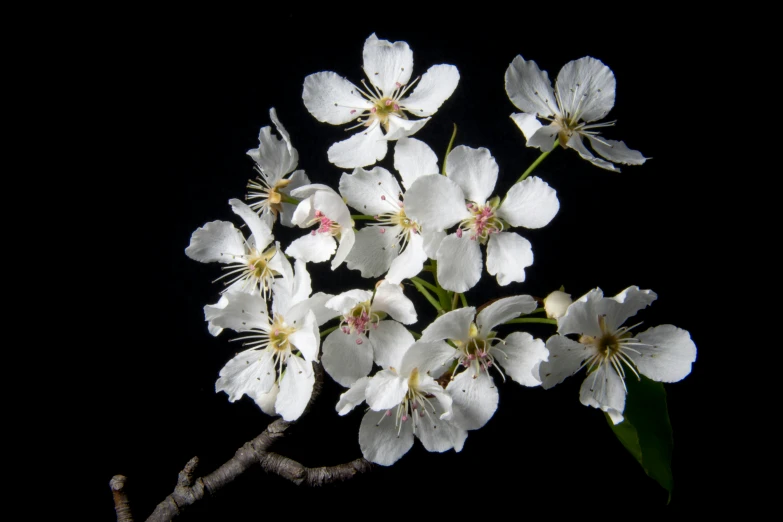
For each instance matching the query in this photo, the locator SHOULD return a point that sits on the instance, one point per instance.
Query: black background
(179, 102)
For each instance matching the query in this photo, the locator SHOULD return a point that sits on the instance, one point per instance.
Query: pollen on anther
(359, 341)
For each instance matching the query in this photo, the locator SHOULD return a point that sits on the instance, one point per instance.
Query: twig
(121, 505)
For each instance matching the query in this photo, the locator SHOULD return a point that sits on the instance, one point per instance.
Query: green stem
(427, 284)
(285, 198)
(454, 301)
(532, 320)
(329, 330)
(434, 302)
(448, 149)
(415, 335)
(464, 300)
(361, 217)
(434, 268)
(532, 167)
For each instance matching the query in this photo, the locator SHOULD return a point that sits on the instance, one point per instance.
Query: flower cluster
(425, 228)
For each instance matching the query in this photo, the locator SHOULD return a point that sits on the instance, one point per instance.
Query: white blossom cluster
(441, 382)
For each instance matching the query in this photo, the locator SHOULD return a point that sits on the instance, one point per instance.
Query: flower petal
(371, 192)
(503, 310)
(508, 254)
(451, 325)
(265, 401)
(296, 387)
(616, 151)
(347, 240)
(380, 439)
(565, 359)
(474, 170)
(387, 64)
(444, 210)
(604, 389)
(617, 310)
(428, 357)
(432, 240)
(306, 338)
(459, 263)
(389, 298)
(345, 302)
(586, 87)
(529, 88)
(217, 241)
(374, 250)
(312, 248)
(297, 179)
(435, 433)
(434, 88)
(523, 357)
(410, 262)
(390, 340)
(576, 143)
(251, 372)
(242, 312)
(527, 123)
(330, 98)
(363, 148)
(275, 157)
(353, 397)
(402, 128)
(414, 158)
(315, 304)
(669, 356)
(261, 234)
(544, 138)
(531, 203)
(345, 360)
(475, 399)
(386, 390)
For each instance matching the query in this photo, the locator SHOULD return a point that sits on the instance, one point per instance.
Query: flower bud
(556, 304)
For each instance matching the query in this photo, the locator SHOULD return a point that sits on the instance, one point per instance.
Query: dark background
(179, 102)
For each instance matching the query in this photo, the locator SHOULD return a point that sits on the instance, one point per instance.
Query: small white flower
(275, 158)
(479, 351)
(325, 208)
(584, 93)
(556, 304)
(364, 335)
(462, 198)
(381, 108)
(664, 353)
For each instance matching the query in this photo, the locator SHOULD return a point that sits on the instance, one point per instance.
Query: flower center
(414, 406)
(385, 107)
(483, 221)
(325, 225)
(279, 333)
(254, 270)
(398, 219)
(476, 351)
(610, 348)
(269, 196)
(359, 320)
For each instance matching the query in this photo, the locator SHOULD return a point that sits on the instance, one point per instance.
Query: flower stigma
(477, 352)
(483, 221)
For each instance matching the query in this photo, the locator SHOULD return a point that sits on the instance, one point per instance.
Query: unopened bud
(556, 304)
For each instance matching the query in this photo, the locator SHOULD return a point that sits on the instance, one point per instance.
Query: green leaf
(646, 431)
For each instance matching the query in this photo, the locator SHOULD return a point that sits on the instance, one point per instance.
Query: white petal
(315, 304)
(523, 357)
(410, 262)
(434, 88)
(390, 340)
(413, 159)
(242, 312)
(345, 302)
(306, 191)
(296, 387)
(474, 170)
(531, 203)
(576, 143)
(459, 263)
(371, 192)
(508, 254)
(451, 325)
(503, 310)
(565, 359)
(332, 205)
(616, 151)
(306, 338)
(604, 389)
(353, 397)
(374, 250)
(475, 399)
(363, 148)
(581, 317)
(261, 233)
(381, 441)
(529, 88)
(266, 401)
(251, 372)
(544, 138)
(432, 240)
(387, 64)
(298, 179)
(217, 241)
(312, 248)
(275, 157)
(402, 128)
(330, 98)
(586, 87)
(669, 356)
(428, 357)
(386, 390)
(625, 304)
(445, 209)
(527, 123)
(347, 240)
(389, 298)
(344, 359)
(440, 435)
(210, 310)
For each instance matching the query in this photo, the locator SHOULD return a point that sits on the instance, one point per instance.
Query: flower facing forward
(276, 371)
(583, 94)
(462, 198)
(404, 402)
(275, 158)
(664, 353)
(478, 351)
(381, 109)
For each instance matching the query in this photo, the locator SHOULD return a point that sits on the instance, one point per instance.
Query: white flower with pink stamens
(382, 108)
(462, 198)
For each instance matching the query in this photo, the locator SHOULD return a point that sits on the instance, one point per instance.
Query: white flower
(463, 197)
(275, 158)
(251, 265)
(324, 207)
(364, 335)
(664, 353)
(276, 372)
(478, 350)
(403, 403)
(584, 93)
(396, 243)
(380, 108)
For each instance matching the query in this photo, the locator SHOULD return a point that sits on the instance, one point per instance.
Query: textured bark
(121, 504)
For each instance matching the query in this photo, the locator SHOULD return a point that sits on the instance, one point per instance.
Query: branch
(188, 491)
